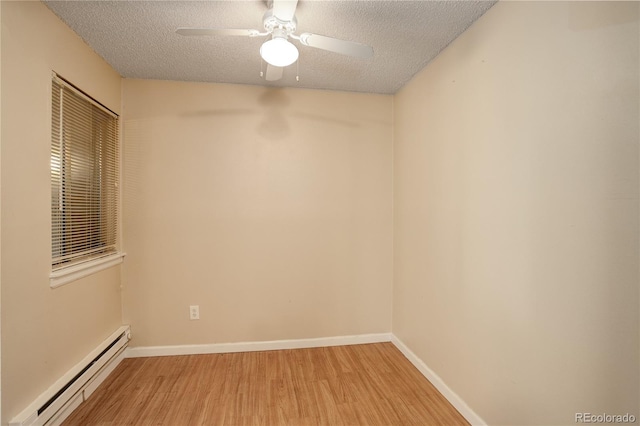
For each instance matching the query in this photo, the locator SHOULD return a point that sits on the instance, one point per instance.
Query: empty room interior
(472, 209)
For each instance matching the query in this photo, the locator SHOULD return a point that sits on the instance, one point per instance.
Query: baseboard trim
(216, 348)
(436, 381)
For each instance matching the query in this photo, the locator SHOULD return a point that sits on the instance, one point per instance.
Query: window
(84, 182)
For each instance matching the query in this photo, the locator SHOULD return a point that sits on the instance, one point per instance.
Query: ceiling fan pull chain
(298, 70)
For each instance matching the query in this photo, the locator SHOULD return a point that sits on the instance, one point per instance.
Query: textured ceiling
(138, 39)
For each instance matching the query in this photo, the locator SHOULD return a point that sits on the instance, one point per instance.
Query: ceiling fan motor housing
(272, 23)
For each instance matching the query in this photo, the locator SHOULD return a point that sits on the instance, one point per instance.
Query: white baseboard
(216, 348)
(439, 384)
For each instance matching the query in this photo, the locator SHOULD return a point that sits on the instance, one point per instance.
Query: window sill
(72, 273)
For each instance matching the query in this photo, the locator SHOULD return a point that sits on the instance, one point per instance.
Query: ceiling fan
(280, 23)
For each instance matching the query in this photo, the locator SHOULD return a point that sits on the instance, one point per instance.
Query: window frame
(89, 263)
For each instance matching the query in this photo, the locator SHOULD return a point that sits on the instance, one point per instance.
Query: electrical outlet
(194, 312)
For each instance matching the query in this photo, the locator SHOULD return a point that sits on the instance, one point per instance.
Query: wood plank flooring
(370, 384)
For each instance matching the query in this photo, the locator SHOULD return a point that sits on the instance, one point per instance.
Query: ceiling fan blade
(284, 9)
(349, 48)
(216, 31)
(273, 73)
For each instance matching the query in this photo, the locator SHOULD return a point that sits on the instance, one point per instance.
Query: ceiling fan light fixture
(279, 52)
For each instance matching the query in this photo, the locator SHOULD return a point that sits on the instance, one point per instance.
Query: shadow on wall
(276, 110)
(274, 103)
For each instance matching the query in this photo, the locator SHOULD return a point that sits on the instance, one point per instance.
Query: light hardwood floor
(370, 384)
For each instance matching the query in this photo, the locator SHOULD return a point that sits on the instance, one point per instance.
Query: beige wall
(44, 331)
(516, 212)
(268, 208)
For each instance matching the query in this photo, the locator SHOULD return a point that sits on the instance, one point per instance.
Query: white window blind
(84, 177)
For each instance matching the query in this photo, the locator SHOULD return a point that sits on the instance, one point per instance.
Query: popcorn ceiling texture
(138, 39)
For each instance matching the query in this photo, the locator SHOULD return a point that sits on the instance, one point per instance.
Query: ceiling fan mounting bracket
(272, 22)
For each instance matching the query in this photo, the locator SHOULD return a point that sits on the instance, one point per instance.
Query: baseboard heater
(67, 393)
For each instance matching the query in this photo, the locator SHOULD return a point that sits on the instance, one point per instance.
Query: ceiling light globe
(279, 52)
